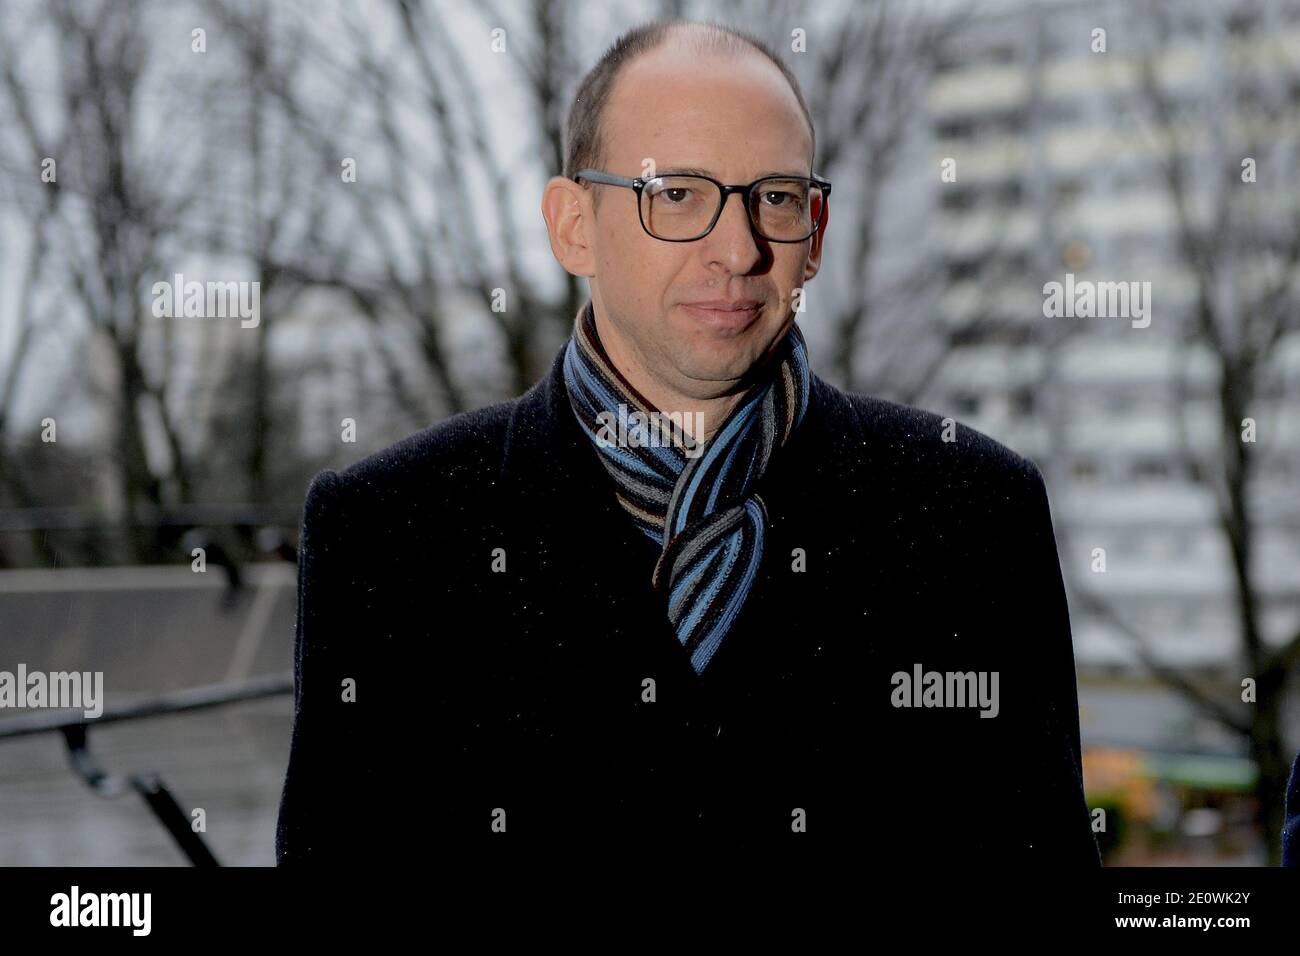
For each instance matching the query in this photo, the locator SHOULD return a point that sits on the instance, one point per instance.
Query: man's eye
(779, 198)
(676, 194)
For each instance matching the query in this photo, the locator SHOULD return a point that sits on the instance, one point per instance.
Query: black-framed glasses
(686, 207)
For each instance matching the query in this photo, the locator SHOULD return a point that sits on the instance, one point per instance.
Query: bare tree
(108, 221)
(1239, 242)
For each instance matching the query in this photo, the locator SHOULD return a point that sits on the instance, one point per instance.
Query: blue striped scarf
(695, 501)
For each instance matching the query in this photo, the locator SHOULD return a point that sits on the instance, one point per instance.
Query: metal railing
(207, 526)
(148, 784)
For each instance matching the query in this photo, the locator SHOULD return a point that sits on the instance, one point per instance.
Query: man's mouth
(732, 315)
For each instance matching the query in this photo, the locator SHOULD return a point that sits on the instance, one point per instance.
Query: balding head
(585, 143)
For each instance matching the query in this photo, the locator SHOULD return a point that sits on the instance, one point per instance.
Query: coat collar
(548, 453)
(548, 461)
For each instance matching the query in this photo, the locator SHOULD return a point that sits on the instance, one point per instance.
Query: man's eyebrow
(695, 171)
(683, 171)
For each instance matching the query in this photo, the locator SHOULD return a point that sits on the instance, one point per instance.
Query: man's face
(736, 119)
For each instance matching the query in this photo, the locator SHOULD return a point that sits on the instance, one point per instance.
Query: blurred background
(376, 167)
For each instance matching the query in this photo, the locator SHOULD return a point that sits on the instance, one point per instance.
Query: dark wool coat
(492, 603)
(1291, 828)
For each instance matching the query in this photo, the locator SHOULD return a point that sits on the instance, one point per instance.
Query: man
(778, 613)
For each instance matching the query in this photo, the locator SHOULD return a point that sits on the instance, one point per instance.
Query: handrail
(87, 518)
(192, 698)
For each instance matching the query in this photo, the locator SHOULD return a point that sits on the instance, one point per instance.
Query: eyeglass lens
(683, 207)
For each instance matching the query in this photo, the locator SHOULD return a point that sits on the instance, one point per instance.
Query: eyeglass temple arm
(609, 179)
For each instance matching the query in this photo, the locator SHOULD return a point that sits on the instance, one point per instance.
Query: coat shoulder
(460, 450)
(926, 442)
(458, 456)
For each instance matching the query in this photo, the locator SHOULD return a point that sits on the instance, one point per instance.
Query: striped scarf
(695, 501)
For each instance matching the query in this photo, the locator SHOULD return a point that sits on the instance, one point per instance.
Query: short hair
(584, 147)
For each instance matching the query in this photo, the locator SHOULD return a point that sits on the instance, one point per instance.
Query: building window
(1085, 471)
(962, 269)
(1117, 402)
(1068, 191)
(1150, 469)
(966, 404)
(1243, 22)
(1010, 193)
(1022, 401)
(954, 198)
(954, 128)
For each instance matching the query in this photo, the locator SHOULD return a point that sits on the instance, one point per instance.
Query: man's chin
(710, 367)
(706, 356)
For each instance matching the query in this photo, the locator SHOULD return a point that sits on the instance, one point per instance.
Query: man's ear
(814, 263)
(566, 207)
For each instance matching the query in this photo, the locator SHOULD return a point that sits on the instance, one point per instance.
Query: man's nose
(732, 240)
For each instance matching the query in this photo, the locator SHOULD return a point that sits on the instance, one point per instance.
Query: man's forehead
(704, 110)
